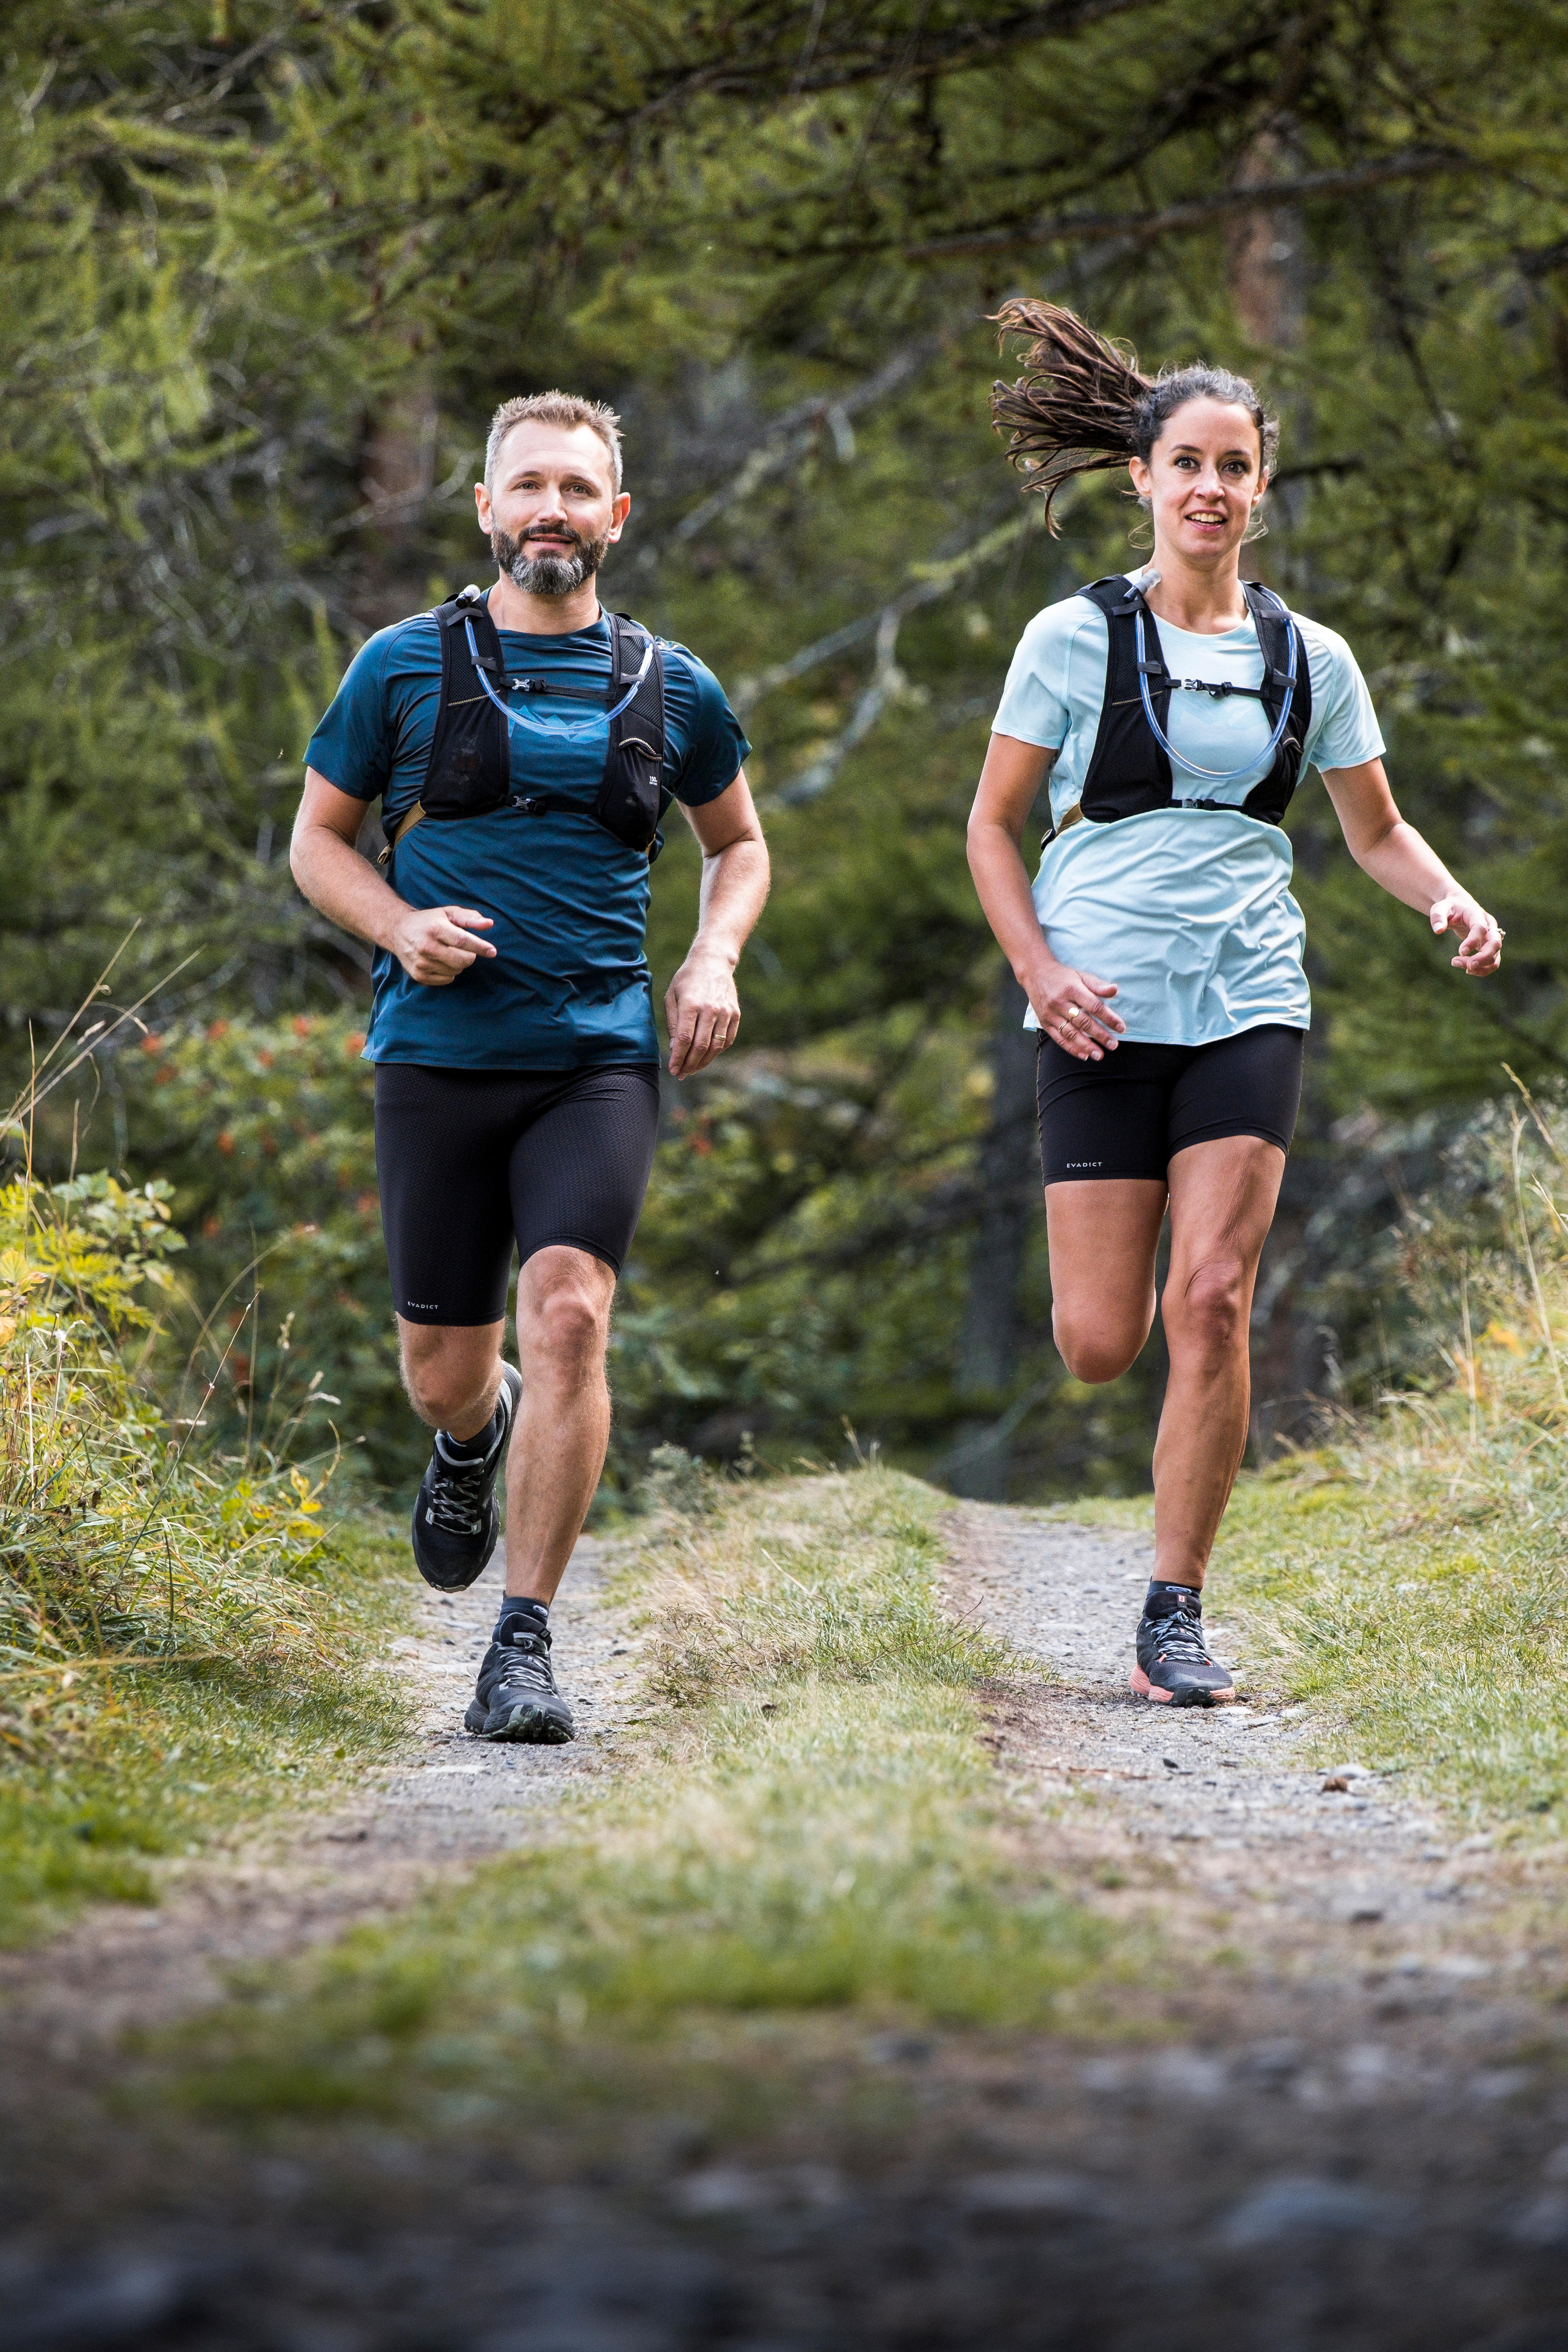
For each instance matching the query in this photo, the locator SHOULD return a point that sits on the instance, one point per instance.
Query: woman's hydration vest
(1130, 770)
(469, 773)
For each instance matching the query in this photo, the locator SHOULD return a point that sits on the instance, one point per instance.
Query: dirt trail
(446, 1802)
(1325, 2110)
(1224, 1822)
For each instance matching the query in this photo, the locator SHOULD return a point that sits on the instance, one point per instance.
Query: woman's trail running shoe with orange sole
(1175, 1667)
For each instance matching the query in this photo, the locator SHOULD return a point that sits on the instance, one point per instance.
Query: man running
(523, 745)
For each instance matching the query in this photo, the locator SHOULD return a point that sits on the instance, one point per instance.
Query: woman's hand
(1073, 1010)
(1481, 949)
(1072, 1007)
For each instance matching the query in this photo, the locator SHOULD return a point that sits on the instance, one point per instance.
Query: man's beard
(549, 573)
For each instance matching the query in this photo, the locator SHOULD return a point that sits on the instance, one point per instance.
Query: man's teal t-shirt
(568, 987)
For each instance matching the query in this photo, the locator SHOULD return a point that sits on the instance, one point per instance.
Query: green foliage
(156, 1602)
(806, 1821)
(158, 630)
(270, 270)
(265, 1129)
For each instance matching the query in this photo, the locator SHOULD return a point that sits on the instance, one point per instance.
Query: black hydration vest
(1128, 772)
(469, 773)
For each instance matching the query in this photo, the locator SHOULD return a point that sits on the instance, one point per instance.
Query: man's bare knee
(447, 1383)
(566, 1328)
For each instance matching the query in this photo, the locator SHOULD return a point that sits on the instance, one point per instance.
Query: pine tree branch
(794, 436)
(888, 681)
(1145, 229)
(762, 61)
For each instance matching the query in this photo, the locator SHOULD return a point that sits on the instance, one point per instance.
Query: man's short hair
(560, 408)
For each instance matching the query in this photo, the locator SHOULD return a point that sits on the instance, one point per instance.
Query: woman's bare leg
(1103, 1237)
(1223, 1196)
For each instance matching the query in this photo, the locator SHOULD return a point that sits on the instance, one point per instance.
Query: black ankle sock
(1164, 1599)
(475, 1448)
(524, 1616)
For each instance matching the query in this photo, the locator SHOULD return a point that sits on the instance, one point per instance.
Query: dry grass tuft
(1411, 1572)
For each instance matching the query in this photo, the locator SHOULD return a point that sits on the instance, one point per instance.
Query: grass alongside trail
(1412, 1582)
(177, 1633)
(1411, 1572)
(805, 1820)
(160, 1760)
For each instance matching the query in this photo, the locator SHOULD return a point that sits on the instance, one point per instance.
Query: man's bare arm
(433, 944)
(702, 1008)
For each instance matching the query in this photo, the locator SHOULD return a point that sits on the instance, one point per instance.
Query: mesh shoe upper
(516, 1697)
(1175, 1660)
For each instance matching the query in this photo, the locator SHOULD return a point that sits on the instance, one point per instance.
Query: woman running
(1173, 709)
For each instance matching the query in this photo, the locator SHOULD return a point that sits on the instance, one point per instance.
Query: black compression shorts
(1132, 1113)
(474, 1162)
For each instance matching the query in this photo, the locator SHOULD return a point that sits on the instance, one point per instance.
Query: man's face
(551, 511)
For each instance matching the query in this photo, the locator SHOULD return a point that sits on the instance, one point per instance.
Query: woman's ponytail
(1074, 410)
(1082, 407)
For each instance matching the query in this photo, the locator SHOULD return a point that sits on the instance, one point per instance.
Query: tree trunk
(1266, 252)
(398, 479)
(1009, 1176)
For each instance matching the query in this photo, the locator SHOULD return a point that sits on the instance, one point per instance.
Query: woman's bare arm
(1071, 1006)
(1400, 862)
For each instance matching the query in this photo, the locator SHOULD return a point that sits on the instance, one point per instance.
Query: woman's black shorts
(474, 1163)
(1132, 1113)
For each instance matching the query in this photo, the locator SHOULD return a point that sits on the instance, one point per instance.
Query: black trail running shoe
(516, 1697)
(1174, 1666)
(455, 1520)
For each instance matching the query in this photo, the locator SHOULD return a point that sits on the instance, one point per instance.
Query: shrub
(121, 1542)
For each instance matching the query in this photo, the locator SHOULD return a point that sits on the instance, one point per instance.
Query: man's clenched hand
(435, 944)
(702, 1010)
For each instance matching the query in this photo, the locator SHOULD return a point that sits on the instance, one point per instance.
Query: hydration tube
(1214, 775)
(560, 729)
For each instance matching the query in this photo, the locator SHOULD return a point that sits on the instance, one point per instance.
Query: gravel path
(448, 1802)
(1239, 1795)
(1326, 2111)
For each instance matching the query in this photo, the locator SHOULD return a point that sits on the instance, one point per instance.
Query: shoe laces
(455, 1493)
(1180, 1635)
(520, 1663)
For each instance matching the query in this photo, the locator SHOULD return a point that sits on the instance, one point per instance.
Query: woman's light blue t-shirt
(1188, 910)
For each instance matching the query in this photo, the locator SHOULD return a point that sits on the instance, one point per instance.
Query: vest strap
(525, 804)
(469, 773)
(404, 824)
(1128, 771)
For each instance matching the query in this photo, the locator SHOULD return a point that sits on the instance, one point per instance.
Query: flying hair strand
(1082, 405)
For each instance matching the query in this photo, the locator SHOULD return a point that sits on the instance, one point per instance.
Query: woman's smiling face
(1202, 480)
